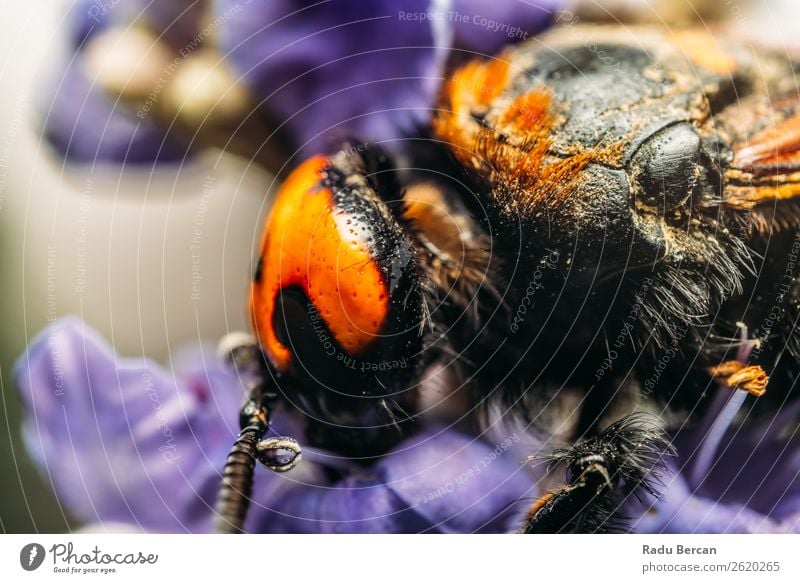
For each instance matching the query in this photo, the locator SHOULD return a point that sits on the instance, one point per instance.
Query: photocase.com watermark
(66, 560)
(569, 20)
(168, 450)
(550, 261)
(31, 556)
(101, 8)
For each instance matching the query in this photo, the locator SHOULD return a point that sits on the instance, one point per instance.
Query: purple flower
(317, 71)
(125, 442)
(177, 21)
(370, 70)
(85, 124)
(728, 477)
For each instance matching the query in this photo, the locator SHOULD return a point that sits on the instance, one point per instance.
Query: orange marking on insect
(771, 145)
(747, 197)
(474, 86)
(782, 160)
(529, 112)
(522, 160)
(526, 161)
(479, 82)
(306, 245)
(702, 49)
(539, 504)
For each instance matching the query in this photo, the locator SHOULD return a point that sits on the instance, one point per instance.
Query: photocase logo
(31, 556)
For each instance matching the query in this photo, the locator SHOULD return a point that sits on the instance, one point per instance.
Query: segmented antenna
(279, 454)
(233, 499)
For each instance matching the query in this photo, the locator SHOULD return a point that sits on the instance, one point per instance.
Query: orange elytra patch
(702, 49)
(522, 160)
(306, 245)
(474, 86)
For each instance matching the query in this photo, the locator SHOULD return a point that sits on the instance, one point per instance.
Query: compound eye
(666, 168)
(333, 265)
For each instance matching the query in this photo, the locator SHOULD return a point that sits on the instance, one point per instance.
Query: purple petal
(681, 512)
(121, 439)
(485, 27)
(462, 484)
(124, 441)
(86, 125)
(352, 69)
(437, 481)
(333, 68)
(177, 21)
(758, 465)
(747, 480)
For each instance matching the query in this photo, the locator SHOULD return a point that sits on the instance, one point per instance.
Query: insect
(580, 234)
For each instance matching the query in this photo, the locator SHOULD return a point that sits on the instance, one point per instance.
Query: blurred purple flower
(731, 478)
(369, 70)
(123, 441)
(176, 21)
(318, 71)
(85, 124)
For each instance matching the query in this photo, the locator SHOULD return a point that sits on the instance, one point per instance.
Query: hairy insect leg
(279, 454)
(627, 459)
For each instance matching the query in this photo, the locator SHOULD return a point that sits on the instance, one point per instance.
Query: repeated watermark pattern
(331, 348)
(510, 31)
(625, 331)
(777, 312)
(6, 146)
(168, 72)
(84, 205)
(168, 450)
(197, 235)
(100, 8)
(570, 20)
(472, 472)
(549, 261)
(650, 383)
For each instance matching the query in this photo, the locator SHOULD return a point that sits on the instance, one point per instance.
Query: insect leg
(627, 459)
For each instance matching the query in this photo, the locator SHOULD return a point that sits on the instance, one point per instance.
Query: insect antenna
(279, 454)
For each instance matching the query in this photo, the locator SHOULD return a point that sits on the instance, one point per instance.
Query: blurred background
(151, 257)
(156, 256)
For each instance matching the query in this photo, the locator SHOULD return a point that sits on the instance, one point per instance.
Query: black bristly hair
(626, 460)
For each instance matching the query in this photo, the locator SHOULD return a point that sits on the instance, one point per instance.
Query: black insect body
(585, 217)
